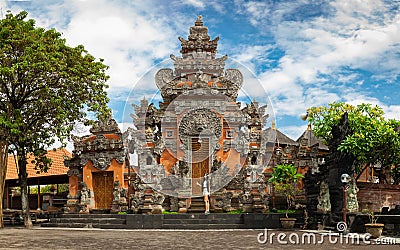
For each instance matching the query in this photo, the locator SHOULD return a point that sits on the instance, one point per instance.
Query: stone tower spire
(199, 40)
(198, 68)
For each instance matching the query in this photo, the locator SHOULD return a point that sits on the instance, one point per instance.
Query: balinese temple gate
(198, 128)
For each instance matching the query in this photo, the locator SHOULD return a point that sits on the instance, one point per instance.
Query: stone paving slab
(59, 238)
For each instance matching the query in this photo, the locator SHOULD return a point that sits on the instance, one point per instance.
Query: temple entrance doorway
(103, 183)
(200, 163)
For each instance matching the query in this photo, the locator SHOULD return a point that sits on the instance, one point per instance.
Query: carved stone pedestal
(72, 206)
(174, 204)
(147, 206)
(258, 203)
(115, 208)
(247, 203)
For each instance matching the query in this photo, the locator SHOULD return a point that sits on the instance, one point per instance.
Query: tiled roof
(313, 140)
(280, 137)
(57, 166)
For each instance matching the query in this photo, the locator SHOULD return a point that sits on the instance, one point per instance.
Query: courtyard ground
(89, 238)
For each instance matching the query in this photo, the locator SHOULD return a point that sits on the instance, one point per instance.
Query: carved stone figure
(351, 196)
(324, 203)
(85, 194)
(183, 168)
(116, 191)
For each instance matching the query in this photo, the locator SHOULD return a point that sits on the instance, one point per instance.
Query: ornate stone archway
(199, 122)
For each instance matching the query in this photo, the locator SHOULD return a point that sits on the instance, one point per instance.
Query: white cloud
(356, 35)
(195, 3)
(127, 36)
(128, 41)
(132, 35)
(257, 11)
(392, 112)
(293, 132)
(252, 55)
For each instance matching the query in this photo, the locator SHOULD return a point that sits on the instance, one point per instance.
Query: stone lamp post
(344, 178)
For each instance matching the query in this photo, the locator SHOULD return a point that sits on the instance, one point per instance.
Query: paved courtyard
(56, 238)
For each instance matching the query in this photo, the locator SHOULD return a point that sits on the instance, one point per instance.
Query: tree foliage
(285, 179)
(374, 139)
(46, 86)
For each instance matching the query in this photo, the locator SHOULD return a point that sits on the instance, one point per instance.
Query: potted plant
(373, 228)
(285, 179)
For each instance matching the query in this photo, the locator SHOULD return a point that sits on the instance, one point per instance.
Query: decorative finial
(199, 21)
(273, 125)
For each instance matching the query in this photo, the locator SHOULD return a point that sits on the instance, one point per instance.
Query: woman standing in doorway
(206, 192)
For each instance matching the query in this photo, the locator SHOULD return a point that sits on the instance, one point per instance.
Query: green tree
(45, 88)
(285, 179)
(374, 140)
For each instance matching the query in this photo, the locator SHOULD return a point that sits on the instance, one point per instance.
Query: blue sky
(304, 52)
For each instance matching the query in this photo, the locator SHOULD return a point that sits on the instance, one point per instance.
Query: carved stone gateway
(200, 127)
(97, 162)
(203, 124)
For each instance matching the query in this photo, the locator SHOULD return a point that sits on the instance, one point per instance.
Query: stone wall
(374, 196)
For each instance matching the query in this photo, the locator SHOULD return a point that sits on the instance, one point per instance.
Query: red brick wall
(374, 196)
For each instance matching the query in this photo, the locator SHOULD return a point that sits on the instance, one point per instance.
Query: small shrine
(96, 169)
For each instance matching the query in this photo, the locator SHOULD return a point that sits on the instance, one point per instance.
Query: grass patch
(168, 212)
(284, 211)
(238, 211)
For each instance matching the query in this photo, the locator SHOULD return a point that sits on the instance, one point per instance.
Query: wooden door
(200, 163)
(103, 184)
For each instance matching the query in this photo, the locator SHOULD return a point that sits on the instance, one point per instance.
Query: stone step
(214, 216)
(196, 210)
(118, 216)
(167, 221)
(203, 221)
(84, 225)
(67, 225)
(202, 226)
(112, 226)
(197, 204)
(89, 220)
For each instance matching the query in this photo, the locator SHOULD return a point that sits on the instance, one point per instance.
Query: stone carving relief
(96, 143)
(224, 201)
(119, 193)
(199, 121)
(102, 160)
(107, 125)
(163, 77)
(152, 174)
(73, 171)
(220, 178)
(254, 172)
(235, 76)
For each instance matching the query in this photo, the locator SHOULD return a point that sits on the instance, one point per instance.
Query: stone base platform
(166, 221)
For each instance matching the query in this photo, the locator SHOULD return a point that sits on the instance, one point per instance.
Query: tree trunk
(3, 172)
(23, 178)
